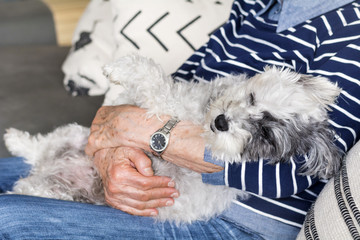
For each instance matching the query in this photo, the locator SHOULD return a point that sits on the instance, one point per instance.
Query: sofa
(32, 94)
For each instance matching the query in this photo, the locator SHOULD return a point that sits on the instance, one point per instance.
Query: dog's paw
(132, 70)
(19, 143)
(115, 70)
(13, 138)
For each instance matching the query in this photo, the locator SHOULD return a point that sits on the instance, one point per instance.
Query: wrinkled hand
(115, 126)
(129, 126)
(129, 182)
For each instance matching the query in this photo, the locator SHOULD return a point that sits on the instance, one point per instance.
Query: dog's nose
(221, 123)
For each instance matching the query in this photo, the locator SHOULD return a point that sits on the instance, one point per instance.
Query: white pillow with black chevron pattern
(166, 30)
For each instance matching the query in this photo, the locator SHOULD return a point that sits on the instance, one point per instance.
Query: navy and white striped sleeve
(273, 181)
(337, 57)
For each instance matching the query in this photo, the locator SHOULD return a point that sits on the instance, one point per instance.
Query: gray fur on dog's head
(274, 115)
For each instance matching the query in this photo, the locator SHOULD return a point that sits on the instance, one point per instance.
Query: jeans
(27, 217)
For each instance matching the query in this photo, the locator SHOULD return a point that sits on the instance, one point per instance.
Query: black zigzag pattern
(179, 32)
(162, 42)
(122, 31)
(153, 35)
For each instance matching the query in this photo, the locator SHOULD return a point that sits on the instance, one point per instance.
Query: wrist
(139, 126)
(152, 125)
(185, 139)
(186, 148)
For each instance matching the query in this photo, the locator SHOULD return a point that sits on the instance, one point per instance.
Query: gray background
(32, 96)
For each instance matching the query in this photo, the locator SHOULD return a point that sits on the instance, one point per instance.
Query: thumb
(141, 161)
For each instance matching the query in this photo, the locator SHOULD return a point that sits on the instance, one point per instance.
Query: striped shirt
(327, 45)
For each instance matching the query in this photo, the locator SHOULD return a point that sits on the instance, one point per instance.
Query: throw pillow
(167, 31)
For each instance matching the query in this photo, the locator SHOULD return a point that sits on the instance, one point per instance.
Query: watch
(159, 140)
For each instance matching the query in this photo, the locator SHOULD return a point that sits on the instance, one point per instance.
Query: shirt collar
(294, 12)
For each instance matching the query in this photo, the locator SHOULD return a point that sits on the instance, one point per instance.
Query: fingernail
(148, 171)
(175, 195)
(171, 184)
(153, 213)
(169, 203)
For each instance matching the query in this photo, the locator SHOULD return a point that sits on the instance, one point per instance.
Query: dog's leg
(141, 78)
(22, 144)
(131, 70)
(146, 85)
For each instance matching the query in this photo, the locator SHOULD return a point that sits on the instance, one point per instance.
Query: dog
(274, 115)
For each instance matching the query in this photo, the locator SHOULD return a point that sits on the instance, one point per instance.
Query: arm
(126, 172)
(129, 126)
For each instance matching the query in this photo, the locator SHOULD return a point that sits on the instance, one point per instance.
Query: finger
(153, 194)
(90, 148)
(140, 195)
(156, 203)
(141, 161)
(125, 203)
(125, 175)
(146, 183)
(133, 211)
(100, 162)
(101, 154)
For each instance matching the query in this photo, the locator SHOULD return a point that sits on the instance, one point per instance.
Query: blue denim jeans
(27, 217)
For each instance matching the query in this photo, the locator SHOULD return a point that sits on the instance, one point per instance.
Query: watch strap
(169, 125)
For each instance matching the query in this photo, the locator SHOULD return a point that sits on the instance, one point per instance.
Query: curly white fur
(60, 168)
(273, 115)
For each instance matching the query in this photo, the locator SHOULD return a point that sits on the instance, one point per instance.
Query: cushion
(92, 46)
(335, 214)
(166, 30)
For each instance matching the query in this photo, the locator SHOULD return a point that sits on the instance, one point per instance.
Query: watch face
(158, 142)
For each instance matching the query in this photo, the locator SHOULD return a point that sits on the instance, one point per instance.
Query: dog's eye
(251, 99)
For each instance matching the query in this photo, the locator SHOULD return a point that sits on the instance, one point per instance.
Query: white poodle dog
(274, 115)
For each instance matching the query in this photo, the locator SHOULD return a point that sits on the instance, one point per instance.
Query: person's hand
(115, 126)
(127, 125)
(129, 182)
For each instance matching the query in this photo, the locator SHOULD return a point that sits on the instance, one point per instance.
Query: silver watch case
(159, 140)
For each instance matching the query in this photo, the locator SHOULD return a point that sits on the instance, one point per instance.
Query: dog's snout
(221, 123)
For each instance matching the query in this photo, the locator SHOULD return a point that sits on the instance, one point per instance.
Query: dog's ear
(270, 139)
(277, 140)
(321, 89)
(323, 158)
